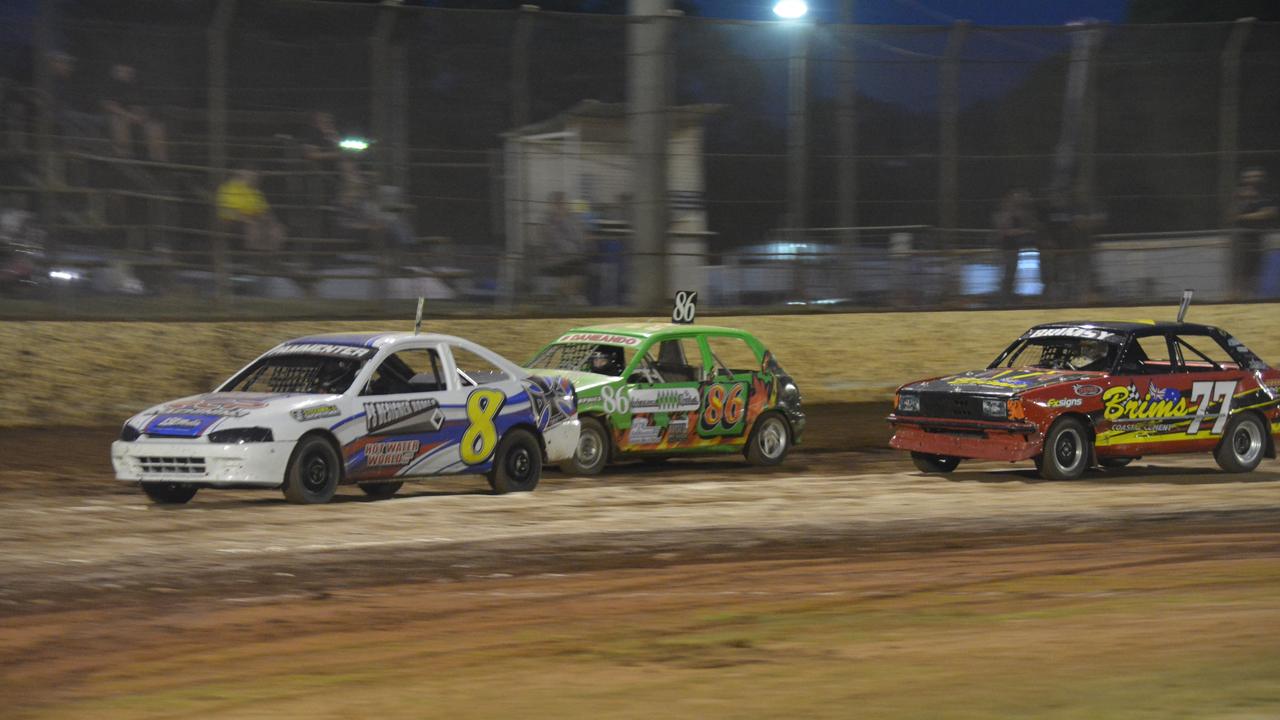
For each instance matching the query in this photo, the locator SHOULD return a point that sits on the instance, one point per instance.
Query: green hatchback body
(651, 390)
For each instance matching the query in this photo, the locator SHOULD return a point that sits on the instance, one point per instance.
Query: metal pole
(797, 129)
(1229, 116)
(217, 101)
(1086, 184)
(948, 138)
(379, 75)
(847, 139)
(520, 66)
(647, 35)
(43, 37)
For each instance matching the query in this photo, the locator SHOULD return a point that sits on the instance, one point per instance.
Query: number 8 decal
(481, 437)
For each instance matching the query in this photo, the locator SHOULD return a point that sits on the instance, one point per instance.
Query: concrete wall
(69, 373)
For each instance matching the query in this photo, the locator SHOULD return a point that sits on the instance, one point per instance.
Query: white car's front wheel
(314, 471)
(169, 493)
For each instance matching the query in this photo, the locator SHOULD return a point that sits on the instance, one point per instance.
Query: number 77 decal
(1207, 393)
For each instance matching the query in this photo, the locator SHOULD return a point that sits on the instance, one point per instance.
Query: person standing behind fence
(1015, 222)
(561, 260)
(242, 203)
(125, 110)
(1254, 213)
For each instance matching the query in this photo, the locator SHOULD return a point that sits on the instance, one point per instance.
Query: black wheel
(925, 462)
(314, 471)
(169, 493)
(517, 464)
(1115, 462)
(381, 491)
(769, 442)
(593, 449)
(1066, 450)
(1242, 444)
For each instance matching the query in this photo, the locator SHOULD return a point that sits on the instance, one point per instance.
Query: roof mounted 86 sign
(686, 307)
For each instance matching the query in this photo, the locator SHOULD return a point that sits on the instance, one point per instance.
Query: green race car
(651, 390)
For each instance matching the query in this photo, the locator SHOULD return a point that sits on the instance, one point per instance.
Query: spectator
(1015, 222)
(242, 203)
(125, 110)
(1254, 212)
(65, 100)
(321, 145)
(560, 257)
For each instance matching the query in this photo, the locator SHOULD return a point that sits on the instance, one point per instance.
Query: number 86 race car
(373, 410)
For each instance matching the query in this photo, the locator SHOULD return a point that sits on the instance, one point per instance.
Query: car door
(1150, 404)
(1218, 387)
(658, 407)
(734, 394)
(406, 404)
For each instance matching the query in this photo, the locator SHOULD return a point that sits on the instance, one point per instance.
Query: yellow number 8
(481, 437)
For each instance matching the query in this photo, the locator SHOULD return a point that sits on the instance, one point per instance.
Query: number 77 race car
(373, 409)
(1073, 395)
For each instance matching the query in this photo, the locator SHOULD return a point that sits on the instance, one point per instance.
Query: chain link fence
(188, 157)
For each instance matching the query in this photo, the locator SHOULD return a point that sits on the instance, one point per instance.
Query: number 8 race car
(1074, 395)
(374, 410)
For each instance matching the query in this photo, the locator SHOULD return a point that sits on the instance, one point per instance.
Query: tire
(381, 491)
(592, 454)
(314, 472)
(934, 464)
(1115, 462)
(169, 493)
(517, 463)
(1067, 450)
(1243, 444)
(769, 441)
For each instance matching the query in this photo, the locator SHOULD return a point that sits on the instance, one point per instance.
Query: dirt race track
(843, 584)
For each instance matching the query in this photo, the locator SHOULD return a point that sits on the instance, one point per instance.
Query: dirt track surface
(841, 580)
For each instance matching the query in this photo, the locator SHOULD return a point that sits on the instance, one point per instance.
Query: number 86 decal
(725, 408)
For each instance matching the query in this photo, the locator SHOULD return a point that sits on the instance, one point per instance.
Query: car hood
(582, 381)
(1004, 382)
(196, 415)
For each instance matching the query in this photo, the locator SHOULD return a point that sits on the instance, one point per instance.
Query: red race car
(1077, 394)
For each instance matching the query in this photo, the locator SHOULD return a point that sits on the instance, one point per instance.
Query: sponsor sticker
(643, 432)
(181, 425)
(177, 421)
(315, 413)
(422, 414)
(665, 400)
(227, 407)
(1088, 390)
(1075, 332)
(395, 452)
(605, 338)
(1065, 402)
(321, 349)
(678, 429)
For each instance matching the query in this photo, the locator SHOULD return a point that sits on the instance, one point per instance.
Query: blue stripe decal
(344, 421)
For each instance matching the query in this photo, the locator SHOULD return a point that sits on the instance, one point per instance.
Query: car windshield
(595, 358)
(1060, 353)
(310, 374)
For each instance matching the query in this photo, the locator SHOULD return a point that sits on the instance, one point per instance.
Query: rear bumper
(974, 439)
(201, 462)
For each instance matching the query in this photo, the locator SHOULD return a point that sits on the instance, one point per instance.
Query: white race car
(372, 409)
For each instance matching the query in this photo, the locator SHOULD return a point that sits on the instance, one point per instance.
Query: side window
(474, 370)
(732, 354)
(408, 371)
(680, 360)
(1202, 353)
(1147, 356)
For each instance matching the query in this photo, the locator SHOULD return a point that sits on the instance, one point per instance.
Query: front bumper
(975, 439)
(201, 462)
(562, 440)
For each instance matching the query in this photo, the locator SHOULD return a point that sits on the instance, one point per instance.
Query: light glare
(791, 9)
(352, 143)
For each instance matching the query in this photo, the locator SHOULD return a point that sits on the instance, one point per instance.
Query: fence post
(520, 41)
(1086, 191)
(797, 127)
(47, 201)
(1229, 115)
(948, 138)
(847, 138)
(217, 100)
(647, 42)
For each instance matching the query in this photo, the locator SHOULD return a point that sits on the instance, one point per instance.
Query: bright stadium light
(354, 143)
(791, 9)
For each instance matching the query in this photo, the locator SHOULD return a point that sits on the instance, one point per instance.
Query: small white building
(585, 153)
